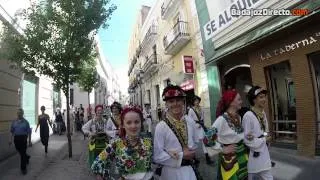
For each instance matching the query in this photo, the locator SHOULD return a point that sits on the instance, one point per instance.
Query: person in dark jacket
(20, 130)
(59, 121)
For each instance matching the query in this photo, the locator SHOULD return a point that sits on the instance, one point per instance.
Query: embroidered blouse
(94, 126)
(226, 131)
(132, 162)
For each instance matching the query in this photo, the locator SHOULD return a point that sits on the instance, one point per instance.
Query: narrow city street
(153, 78)
(57, 166)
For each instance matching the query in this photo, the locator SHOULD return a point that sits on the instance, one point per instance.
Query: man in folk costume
(175, 139)
(195, 112)
(256, 132)
(113, 123)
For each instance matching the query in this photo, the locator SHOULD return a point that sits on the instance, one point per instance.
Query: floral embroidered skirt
(234, 166)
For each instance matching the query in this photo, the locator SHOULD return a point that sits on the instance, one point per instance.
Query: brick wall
(305, 102)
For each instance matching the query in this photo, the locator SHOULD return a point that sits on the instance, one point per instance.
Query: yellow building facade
(161, 50)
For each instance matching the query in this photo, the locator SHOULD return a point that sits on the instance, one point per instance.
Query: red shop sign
(187, 85)
(188, 66)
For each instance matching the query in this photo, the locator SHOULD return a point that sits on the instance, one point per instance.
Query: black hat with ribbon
(171, 92)
(254, 92)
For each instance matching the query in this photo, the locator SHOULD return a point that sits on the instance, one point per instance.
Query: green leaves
(58, 40)
(88, 76)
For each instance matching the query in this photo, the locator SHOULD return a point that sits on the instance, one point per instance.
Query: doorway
(283, 104)
(239, 78)
(315, 67)
(29, 99)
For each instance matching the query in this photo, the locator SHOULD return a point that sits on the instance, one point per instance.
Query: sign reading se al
(224, 17)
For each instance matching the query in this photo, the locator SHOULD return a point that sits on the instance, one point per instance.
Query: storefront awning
(265, 30)
(187, 85)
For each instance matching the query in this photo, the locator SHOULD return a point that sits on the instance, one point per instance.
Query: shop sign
(187, 85)
(221, 14)
(188, 67)
(313, 39)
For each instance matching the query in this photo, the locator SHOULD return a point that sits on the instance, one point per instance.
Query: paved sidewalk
(55, 166)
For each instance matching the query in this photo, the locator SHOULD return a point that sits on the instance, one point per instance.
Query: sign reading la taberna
(220, 14)
(307, 41)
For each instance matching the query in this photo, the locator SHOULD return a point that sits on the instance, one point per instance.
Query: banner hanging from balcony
(188, 66)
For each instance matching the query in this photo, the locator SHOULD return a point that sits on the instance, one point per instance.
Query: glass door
(283, 103)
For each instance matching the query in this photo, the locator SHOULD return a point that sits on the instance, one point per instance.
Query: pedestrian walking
(147, 119)
(233, 156)
(20, 130)
(175, 139)
(114, 121)
(131, 153)
(81, 114)
(159, 112)
(59, 121)
(257, 135)
(196, 113)
(43, 120)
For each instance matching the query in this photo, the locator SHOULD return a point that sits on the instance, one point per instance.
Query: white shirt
(112, 129)
(252, 126)
(199, 130)
(192, 114)
(90, 127)
(225, 134)
(147, 121)
(139, 176)
(164, 141)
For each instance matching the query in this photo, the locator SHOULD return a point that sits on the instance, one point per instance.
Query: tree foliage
(57, 41)
(88, 76)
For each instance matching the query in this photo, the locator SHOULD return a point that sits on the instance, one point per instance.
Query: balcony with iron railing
(132, 64)
(176, 38)
(168, 8)
(151, 64)
(149, 38)
(138, 50)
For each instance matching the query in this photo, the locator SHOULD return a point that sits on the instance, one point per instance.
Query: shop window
(315, 67)
(283, 101)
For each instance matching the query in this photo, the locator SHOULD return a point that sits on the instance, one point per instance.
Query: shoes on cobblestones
(28, 158)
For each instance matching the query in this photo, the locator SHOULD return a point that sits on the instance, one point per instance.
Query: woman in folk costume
(96, 129)
(233, 157)
(175, 139)
(195, 112)
(131, 153)
(256, 130)
(96, 125)
(113, 124)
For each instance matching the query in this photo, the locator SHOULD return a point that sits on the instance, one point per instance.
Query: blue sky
(115, 39)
